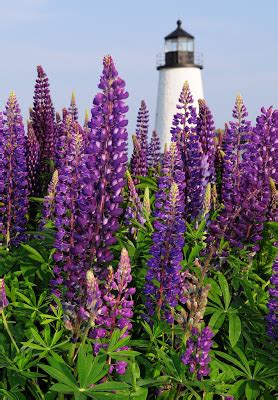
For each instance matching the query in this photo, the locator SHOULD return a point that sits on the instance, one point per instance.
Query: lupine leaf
(234, 328)
(225, 290)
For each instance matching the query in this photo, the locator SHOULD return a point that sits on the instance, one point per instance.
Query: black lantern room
(179, 50)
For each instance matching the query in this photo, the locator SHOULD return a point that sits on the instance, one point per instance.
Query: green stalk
(5, 323)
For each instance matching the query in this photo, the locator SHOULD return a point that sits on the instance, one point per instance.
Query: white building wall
(170, 84)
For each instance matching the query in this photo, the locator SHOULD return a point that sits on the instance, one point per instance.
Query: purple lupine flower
(206, 134)
(142, 126)
(14, 183)
(93, 299)
(135, 205)
(172, 170)
(197, 351)
(116, 312)
(248, 195)
(142, 136)
(273, 209)
(86, 128)
(167, 253)
(104, 165)
(3, 297)
(49, 200)
(67, 128)
(184, 121)
(69, 256)
(138, 164)
(235, 137)
(271, 318)
(43, 121)
(198, 177)
(32, 157)
(73, 110)
(154, 151)
(195, 160)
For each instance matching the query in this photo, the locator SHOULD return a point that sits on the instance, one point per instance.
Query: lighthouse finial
(179, 22)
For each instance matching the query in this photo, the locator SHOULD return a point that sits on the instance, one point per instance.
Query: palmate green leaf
(214, 286)
(34, 346)
(33, 253)
(25, 298)
(124, 353)
(60, 375)
(234, 328)
(104, 387)
(194, 253)
(232, 360)
(141, 393)
(98, 370)
(237, 389)
(8, 395)
(107, 395)
(83, 365)
(217, 319)
(252, 390)
(37, 337)
(61, 388)
(243, 359)
(225, 289)
(168, 362)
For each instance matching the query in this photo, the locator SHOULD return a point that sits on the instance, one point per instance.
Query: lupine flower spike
(14, 190)
(73, 110)
(3, 297)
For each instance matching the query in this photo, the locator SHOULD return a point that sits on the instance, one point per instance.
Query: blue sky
(68, 38)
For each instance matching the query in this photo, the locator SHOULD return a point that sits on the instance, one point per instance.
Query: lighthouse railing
(198, 59)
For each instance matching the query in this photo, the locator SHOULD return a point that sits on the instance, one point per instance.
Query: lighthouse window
(171, 45)
(185, 45)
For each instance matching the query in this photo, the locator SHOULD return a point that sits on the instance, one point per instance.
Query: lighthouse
(178, 63)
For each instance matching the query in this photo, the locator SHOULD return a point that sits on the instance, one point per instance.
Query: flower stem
(5, 322)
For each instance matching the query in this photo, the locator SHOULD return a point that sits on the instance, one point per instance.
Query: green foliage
(47, 364)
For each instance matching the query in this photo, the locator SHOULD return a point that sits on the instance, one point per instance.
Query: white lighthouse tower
(178, 63)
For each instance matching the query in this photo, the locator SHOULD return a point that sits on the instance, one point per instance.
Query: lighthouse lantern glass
(179, 44)
(171, 45)
(185, 44)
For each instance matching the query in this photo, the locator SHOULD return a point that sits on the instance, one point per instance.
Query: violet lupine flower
(116, 312)
(195, 161)
(43, 121)
(135, 205)
(142, 126)
(142, 138)
(172, 171)
(14, 183)
(248, 196)
(197, 351)
(3, 297)
(154, 151)
(234, 146)
(163, 280)
(206, 134)
(32, 157)
(273, 207)
(272, 316)
(49, 200)
(69, 255)
(104, 165)
(184, 121)
(194, 297)
(93, 299)
(198, 172)
(73, 110)
(138, 163)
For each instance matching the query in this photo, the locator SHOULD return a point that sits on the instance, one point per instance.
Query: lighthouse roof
(179, 32)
